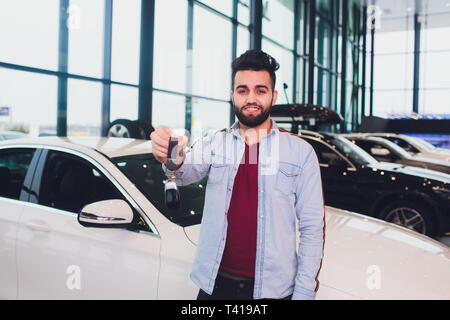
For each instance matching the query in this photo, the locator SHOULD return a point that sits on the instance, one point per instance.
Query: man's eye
(262, 91)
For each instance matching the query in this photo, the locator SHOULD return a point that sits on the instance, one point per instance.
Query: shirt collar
(235, 128)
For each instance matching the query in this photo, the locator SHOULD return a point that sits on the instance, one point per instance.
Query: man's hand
(160, 144)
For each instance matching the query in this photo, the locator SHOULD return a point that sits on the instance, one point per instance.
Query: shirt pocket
(217, 172)
(286, 177)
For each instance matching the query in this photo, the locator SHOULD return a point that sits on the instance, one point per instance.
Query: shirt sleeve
(310, 212)
(196, 163)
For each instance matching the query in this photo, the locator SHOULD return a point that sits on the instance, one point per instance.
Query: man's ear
(275, 96)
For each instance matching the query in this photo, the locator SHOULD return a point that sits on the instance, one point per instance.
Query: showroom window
(278, 41)
(33, 112)
(86, 34)
(83, 98)
(124, 102)
(29, 33)
(211, 55)
(394, 66)
(169, 61)
(126, 28)
(192, 62)
(434, 64)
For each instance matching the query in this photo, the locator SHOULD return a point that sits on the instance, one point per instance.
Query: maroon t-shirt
(240, 248)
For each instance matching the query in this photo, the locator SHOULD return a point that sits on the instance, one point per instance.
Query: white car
(415, 146)
(85, 218)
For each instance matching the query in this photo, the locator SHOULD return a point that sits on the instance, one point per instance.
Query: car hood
(439, 155)
(412, 171)
(425, 158)
(367, 258)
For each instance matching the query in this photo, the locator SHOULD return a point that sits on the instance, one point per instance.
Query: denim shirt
(290, 199)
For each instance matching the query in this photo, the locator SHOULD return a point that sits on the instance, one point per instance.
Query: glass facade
(170, 63)
(394, 66)
(434, 67)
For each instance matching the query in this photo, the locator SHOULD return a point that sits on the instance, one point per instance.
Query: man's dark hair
(255, 60)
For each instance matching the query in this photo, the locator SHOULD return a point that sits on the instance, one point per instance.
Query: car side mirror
(106, 214)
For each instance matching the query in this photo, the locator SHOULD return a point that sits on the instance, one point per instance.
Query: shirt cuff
(302, 294)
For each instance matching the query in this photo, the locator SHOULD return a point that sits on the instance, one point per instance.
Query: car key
(172, 194)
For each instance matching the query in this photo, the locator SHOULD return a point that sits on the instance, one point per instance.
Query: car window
(403, 144)
(14, 164)
(147, 174)
(70, 182)
(325, 154)
(376, 150)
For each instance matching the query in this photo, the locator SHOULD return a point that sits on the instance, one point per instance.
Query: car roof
(322, 135)
(358, 136)
(111, 147)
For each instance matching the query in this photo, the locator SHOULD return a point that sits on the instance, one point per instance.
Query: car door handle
(38, 225)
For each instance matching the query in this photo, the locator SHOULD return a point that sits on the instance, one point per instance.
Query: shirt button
(262, 191)
(262, 216)
(229, 189)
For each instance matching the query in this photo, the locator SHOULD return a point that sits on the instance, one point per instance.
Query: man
(260, 179)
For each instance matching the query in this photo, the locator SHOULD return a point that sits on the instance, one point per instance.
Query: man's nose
(251, 97)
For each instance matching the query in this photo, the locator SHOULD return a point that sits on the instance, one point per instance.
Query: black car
(386, 151)
(416, 198)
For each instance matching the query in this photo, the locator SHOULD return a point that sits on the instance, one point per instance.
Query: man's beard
(251, 121)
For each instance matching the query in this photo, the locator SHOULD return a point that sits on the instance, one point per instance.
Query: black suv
(416, 198)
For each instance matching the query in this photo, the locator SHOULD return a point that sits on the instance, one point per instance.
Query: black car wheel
(123, 128)
(411, 215)
(145, 129)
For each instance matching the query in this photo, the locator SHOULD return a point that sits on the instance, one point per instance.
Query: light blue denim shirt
(289, 188)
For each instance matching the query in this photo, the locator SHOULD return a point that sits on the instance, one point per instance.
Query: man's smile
(252, 109)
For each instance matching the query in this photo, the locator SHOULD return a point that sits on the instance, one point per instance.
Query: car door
(60, 259)
(15, 167)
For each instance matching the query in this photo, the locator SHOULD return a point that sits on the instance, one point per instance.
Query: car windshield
(393, 147)
(352, 151)
(146, 173)
(422, 144)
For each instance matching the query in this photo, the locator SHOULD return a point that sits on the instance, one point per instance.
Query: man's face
(253, 96)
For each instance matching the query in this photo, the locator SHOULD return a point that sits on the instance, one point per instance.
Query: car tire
(145, 129)
(411, 215)
(123, 128)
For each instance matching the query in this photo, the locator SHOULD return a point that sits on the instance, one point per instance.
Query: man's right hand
(160, 144)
